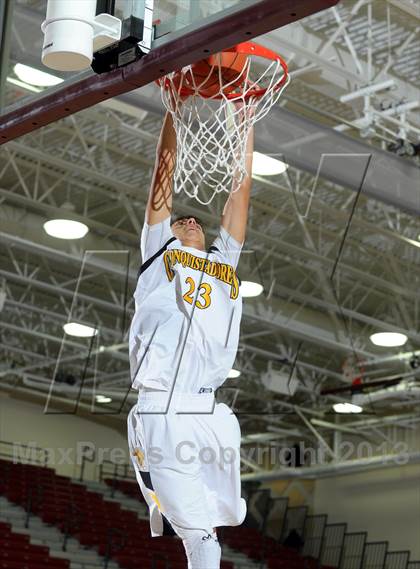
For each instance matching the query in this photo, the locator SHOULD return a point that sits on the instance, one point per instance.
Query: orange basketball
(206, 77)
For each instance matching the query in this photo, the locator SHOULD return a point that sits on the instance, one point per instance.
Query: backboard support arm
(146, 43)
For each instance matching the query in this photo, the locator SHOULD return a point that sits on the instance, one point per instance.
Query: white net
(212, 131)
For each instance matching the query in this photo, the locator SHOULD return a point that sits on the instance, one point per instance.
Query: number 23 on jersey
(203, 300)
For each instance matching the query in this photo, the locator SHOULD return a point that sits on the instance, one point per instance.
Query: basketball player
(183, 342)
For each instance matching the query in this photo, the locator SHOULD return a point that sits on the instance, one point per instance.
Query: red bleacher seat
(251, 542)
(55, 497)
(128, 487)
(58, 501)
(17, 552)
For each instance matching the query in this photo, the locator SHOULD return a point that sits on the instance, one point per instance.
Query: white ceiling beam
(410, 8)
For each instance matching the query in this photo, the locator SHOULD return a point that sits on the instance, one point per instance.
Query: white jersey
(185, 330)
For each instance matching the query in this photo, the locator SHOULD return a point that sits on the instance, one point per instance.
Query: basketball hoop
(214, 103)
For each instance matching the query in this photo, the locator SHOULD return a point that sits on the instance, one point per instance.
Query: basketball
(205, 77)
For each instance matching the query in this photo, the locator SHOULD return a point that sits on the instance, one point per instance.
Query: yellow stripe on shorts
(156, 500)
(139, 455)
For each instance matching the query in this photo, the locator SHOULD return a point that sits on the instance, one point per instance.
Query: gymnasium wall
(385, 503)
(64, 435)
(298, 492)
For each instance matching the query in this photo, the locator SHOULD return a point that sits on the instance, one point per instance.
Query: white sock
(202, 549)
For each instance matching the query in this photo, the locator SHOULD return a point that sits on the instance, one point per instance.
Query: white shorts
(187, 461)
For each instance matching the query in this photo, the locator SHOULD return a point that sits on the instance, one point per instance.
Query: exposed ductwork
(404, 390)
(335, 468)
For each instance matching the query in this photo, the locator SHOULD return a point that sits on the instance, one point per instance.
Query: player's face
(189, 231)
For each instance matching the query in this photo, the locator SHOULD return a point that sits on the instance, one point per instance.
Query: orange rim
(248, 48)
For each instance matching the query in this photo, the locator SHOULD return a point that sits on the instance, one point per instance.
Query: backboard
(174, 16)
(175, 19)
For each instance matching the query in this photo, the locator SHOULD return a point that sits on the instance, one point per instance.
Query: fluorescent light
(35, 76)
(248, 288)
(234, 373)
(103, 399)
(263, 165)
(79, 330)
(23, 85)
(347, 408)
(388, 339)
(65, 229)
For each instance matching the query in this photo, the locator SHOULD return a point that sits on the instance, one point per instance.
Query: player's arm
(159, 205)
(235, 212)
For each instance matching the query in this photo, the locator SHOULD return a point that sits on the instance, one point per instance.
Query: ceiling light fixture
(388, 339)
(263, 165)
(347, 408)
(65, 228)
(234, 373)
(79, 330)
(34, 76)
(103, 399)
(249, 289)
